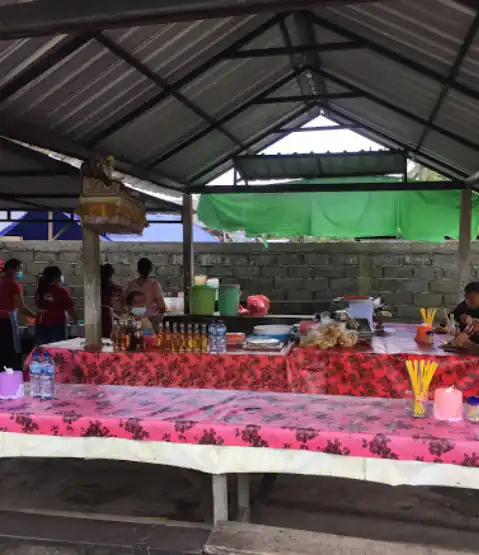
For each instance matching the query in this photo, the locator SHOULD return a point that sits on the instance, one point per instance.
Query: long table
(376, 369)
(242, 432)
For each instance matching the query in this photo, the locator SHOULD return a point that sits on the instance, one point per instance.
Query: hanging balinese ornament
(106, 205)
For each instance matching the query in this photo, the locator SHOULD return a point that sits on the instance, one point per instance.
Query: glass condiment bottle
(472, 409)
(175, 338)
(139, 337)
(167, 337)
(189, 339)
(130, 339)
(204, 338)
(120, 340)
(196, 339)
(182, 340)
(160, 336)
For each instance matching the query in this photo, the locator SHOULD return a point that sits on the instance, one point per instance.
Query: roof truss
(90, 17)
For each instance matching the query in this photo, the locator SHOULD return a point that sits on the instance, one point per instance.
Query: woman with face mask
(53, 303)
(11, 303)
(147, 300)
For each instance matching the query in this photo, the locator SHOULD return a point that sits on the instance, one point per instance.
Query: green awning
(412, 215)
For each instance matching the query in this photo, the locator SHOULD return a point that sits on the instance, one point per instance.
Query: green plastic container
(202, 300)
(228, 300)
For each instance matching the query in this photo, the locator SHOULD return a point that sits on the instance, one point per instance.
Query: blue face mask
(138, 311)
(19, 275)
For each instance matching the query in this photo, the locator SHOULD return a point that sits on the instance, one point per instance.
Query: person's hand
(462, 341)
(466, 320)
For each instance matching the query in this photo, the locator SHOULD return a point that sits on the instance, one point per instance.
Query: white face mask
(138, 310)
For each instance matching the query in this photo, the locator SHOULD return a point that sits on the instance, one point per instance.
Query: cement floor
(431, 515)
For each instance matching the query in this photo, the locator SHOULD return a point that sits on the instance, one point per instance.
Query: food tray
(365, 332)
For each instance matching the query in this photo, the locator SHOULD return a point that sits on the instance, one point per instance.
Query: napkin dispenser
(11, 384)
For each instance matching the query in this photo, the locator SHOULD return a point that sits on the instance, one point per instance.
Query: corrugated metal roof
(33, 180)
(268, 167)
(187, 106)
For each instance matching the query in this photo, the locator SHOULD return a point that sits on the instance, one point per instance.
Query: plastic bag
(258, 305)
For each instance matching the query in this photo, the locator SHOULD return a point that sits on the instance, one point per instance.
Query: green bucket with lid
(228, 299)
(202, 300)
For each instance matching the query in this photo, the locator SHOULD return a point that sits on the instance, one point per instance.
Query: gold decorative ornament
(105, 204)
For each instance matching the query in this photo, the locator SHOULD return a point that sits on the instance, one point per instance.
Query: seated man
(467, 315)
(467, 312)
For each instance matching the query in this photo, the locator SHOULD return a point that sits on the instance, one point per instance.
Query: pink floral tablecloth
(349, 426)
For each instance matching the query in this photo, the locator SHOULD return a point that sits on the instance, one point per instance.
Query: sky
(313, 141)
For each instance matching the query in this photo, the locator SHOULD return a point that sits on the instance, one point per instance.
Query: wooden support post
(91, 269)
(244, 503)
(220, 497)
(465, 239)
(188, 254)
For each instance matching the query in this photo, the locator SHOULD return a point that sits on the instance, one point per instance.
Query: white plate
(263, 341)
(273, 330)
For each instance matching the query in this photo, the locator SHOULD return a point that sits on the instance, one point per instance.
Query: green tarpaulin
(412, 215)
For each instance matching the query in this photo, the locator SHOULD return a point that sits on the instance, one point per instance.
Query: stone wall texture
(299, 278)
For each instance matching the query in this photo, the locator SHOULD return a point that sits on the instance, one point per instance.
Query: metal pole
(465, 239)
(91, 268)
(188, 254)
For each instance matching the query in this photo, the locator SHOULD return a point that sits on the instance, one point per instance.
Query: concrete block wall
(297, 277)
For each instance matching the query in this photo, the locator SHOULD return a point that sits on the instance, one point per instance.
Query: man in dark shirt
(467, 312)
(469, 308)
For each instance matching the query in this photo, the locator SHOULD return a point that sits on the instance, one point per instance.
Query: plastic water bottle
(47, 381)
(35, 375)
(212, 338)
(221, 337)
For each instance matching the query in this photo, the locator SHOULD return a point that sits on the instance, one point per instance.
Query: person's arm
(123, 299)
(459, 312)
(117, 299)
(473, 325)
(462, 340)
(159, 300)
(69, 305)
(21, 306)
(73, 314)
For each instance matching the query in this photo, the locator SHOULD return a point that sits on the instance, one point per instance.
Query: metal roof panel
(429, 32)
(98, 100)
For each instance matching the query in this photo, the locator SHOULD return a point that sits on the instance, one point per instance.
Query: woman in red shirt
(11, 303)
(53, 301)
(110, 293)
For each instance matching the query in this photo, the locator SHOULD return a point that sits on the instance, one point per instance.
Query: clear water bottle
(35, 368)
(47, 381)
(212, 338)
(221, 337)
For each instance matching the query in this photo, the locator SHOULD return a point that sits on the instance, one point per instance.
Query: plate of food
(451, 347)
(263, 343)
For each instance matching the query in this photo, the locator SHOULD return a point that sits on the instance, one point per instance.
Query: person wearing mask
(110, 293)
(11, 303)
(53, 302)
(147, 299)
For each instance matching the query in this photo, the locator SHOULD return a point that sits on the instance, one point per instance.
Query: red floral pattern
(362, 427)
(379, 369)
(376, 370)
(254, 372)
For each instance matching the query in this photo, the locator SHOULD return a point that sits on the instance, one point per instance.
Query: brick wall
(297, 277)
